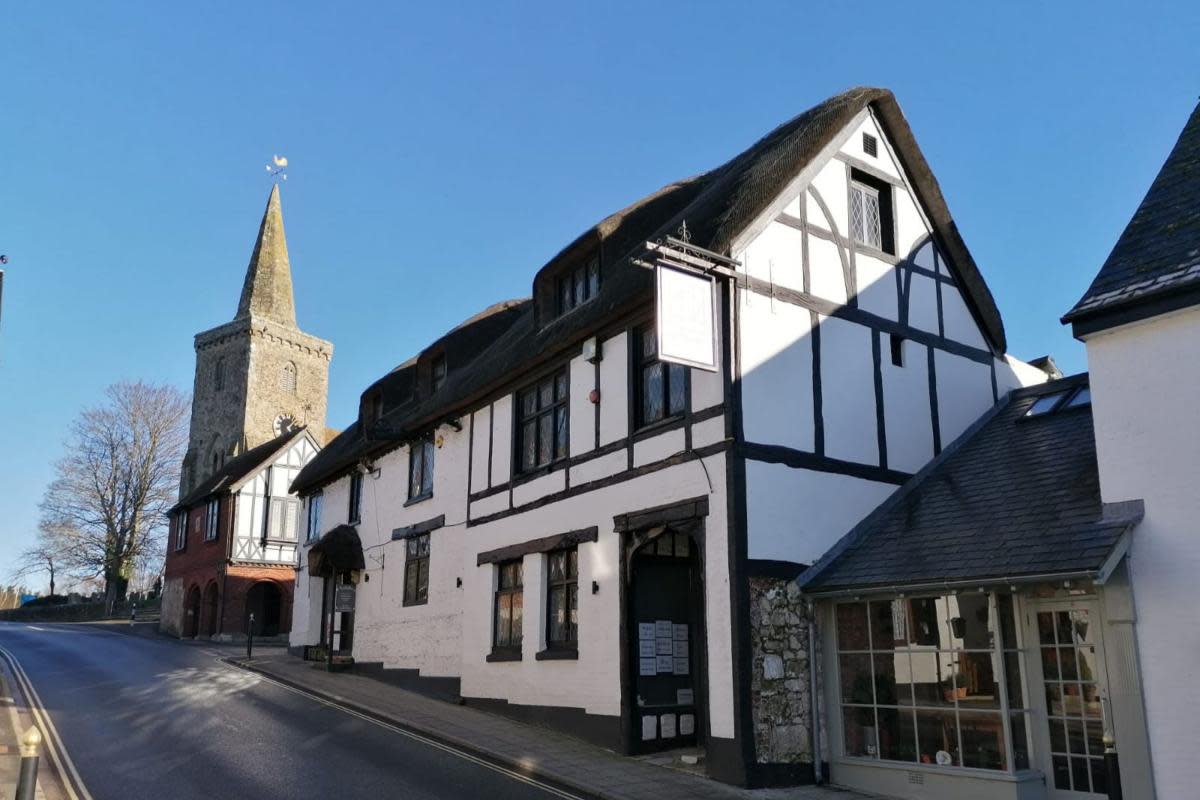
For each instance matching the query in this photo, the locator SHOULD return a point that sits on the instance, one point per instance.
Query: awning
(338, 550)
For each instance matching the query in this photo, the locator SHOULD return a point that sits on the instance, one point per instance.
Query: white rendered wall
(1145, 379)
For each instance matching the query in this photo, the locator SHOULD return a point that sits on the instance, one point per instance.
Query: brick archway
(209, 620)
(191, 613)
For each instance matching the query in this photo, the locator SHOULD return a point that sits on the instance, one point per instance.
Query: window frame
(860, 189)
(354, 512)
(316, 501)
(212, 520)
(181, 523)
(569, 586)
(559, 378)
(508, 647)
(639, 363)
(577, 286)
(425, 446)
(289, 378)
(438, 371)
(414, 593)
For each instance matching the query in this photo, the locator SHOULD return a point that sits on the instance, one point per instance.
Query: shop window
(562, 600)
(416, 570)
(931, 680)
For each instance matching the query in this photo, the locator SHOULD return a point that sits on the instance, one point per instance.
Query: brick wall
(238, 583)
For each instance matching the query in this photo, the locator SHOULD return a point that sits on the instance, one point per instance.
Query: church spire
(267, 292)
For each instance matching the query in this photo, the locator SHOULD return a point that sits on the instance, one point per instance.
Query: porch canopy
(339, 549)
(1015, 499)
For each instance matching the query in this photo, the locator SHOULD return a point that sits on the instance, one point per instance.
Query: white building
(542, 517)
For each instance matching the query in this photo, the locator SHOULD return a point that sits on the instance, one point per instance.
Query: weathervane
(279, 169)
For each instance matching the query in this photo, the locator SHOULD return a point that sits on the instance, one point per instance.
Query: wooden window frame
(421, 452)
(212, 520)
(560, 388)
(315, 500)
(508, 647)
(577, 286)
(671, 372)
(569, 585)
(416, 559)
(354, 512)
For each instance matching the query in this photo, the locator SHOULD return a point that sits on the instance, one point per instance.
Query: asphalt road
(152, 718)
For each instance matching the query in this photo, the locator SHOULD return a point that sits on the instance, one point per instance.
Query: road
(152, 718)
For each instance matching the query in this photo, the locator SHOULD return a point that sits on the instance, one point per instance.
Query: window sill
(1001, 775)
(421, 498)
(557, 654)
(504, 654)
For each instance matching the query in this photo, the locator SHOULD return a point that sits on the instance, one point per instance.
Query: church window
(219, 375)
(287, 380)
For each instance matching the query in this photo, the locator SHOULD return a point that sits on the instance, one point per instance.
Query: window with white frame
(420, 469)
(212, 520)
(315, 501)
(282, 518)
(933, 680)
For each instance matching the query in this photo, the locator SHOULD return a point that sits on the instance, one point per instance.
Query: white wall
(1145, 379)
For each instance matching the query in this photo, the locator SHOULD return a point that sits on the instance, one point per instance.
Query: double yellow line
(52, 742)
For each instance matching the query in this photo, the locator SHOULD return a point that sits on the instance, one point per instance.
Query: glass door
(1069, 664)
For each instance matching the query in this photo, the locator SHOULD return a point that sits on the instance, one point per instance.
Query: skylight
(1060, 401)
(1045, 404)
(1082, 397)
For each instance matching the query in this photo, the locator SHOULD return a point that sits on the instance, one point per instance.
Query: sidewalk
(562, 761)
(12, 724)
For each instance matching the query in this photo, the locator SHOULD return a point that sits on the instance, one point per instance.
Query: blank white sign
(687, 332)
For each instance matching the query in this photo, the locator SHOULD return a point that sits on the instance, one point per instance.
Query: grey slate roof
(1013, 497)
(238, 468)
(1159, 251)
(717, 206)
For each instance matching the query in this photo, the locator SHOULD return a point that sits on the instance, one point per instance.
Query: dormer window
(373, 407)
(437, 372)
(871, 212)
(577, 286)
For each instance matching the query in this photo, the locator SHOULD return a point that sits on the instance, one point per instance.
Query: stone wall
(780, 683)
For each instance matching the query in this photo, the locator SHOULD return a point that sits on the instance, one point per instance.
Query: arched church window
(219, 376)
(287, 380)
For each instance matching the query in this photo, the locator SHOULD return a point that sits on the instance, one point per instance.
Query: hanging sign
(343, 598)
(687, 317)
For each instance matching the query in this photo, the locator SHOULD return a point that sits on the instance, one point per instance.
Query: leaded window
(542, 422)
(562, 599)
(578, 286)
(933, 680)
(416, 570)
(509, 605)
(420, 469)
(662, 386)
(865, 219)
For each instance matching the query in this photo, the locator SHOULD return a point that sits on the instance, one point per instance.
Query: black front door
(666, 636)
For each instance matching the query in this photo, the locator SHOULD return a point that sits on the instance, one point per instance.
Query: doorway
(264, 602)
(1071, 686)
(665, 640)
(337, 627)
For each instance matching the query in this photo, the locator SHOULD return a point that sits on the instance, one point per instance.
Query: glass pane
(579, 278)
(546, 393)
(1062, 773)
(545, 439)
(1075, 740)
(649, 342)
(503, 620)
(677, 386)
(557, 566)
(871, 223)
(883, 627)
(859, 727)
(560, 386)
(1088, 667)
(897, 736)
(1091, 701)
(410, 581)
(529, 445)
(1008, 625)
(593, 278)
(1045, 622)
(937, 735)
(1079, 774)
(422, 579)
(856, 213)
(558, 614)
(852, 626)
(977, 682)
(1094, 734)
(971, 621)
(663, 545)
(1066, 663)
(573, 610)
(856, 678)
(564, 295)
(427, 472)
(885, 680)
(902, 667)
(1012, 676)
(1020, 743)
(519, 573)
(682, 546)
(572, 564)
(1058, 736)
(414, 472)
(560, 432)
(1044, 404)
(929, 622)
(424, 545)
(652, 393)
(518, 603)
(933, 678)
(1054, 699)
(982, 740)
(1099, 776)
(1062, 626)
(1050, 663)
(1080, 398)
(528, 402)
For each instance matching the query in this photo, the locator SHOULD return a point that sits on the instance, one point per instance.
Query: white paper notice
(646, 648)
(665, 664)
(685, 697)
(679, 632)
(680, 650)
(647, 666)
(687, 724)
(686, 314)
(662, 629)
(645, 630)
(668, 725)
(664, 647)
(680, 664)
(649, 728)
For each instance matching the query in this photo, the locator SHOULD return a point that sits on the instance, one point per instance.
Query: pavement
(578, 767)
(14, 721)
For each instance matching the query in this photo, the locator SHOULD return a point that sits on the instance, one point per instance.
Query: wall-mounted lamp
(595, 587)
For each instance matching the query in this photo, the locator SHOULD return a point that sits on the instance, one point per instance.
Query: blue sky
(442, 152)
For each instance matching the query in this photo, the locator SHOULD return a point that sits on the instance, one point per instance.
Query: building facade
(258, 416)
(539, 515)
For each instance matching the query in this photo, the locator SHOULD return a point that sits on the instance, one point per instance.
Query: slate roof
(717, 206)
(238, 468)
(1158, 253)
(1014, 497)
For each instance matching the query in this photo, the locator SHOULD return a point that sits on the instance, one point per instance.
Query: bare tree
(108, 501)
(40, 559)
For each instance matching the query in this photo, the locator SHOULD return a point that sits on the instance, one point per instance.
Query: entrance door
(666, 642)
(1070, 669)
(337, 626)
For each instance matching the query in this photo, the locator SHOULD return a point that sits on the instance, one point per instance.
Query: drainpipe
(814, 703)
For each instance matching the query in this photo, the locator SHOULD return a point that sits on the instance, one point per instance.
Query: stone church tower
(259, 375)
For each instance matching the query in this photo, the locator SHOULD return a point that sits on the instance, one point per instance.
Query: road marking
(71, 780)
(418, 737)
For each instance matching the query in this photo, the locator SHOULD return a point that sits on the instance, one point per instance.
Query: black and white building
(543, 517)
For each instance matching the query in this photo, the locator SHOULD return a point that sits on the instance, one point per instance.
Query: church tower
(258, 376)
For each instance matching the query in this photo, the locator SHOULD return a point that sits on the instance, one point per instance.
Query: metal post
(31, 743)
(250, 638)
(1113, 765)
